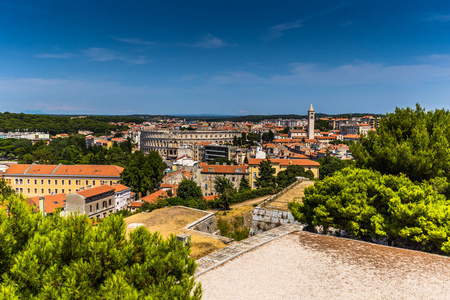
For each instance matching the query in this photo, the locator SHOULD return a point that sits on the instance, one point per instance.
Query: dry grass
(294, 195)
(172, 220)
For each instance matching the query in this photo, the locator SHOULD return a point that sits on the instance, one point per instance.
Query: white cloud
(349, 74)
(56, 55)
(211, 42)
(133, 41)
(276, 31)
(439, 18)
(102, 55)
(72, 96)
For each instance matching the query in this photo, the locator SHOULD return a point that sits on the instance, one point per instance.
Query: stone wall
(265, 219)
(206, 224)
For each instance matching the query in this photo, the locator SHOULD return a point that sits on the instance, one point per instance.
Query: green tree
(288, 176)
(27, 159)
(330, 164)
(143, 172)
(370, 205)
(322, 125)
(225, 188)
(68, 258)
(411, 142)
(188, 189)
(266, 176)
(286, 130)
(246, 160)
(268, 136)
(244, 185)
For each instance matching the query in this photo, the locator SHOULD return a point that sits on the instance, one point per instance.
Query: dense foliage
(225, 188)
(188, 189)
(287, 177)
(244, 185)
(143, 172)
(201, 203)
(68, 258)
(10, 122)
(370, 205)
(69, 151)
(266, 177)
(412, 142)
(330, 164)
(323, 125)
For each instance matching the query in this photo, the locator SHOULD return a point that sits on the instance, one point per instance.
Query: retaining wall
(267, 219)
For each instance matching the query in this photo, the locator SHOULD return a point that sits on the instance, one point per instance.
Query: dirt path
(294, 195)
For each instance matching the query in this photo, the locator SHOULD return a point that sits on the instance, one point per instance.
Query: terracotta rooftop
(84, 170)
(51, 202)
(96, 191)
(154, 196)
(286, 162)
(223, 168)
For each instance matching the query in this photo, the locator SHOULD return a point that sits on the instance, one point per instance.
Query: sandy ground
(172, 220)
(302, 265)
(294, 195)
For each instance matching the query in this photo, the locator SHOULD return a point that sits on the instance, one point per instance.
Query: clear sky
(223, 57)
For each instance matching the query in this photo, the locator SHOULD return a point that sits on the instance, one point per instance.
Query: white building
(122, 195)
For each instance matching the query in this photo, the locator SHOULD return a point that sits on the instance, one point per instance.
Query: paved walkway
(235, 249)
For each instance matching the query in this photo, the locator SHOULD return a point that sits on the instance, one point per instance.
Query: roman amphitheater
(167, 142)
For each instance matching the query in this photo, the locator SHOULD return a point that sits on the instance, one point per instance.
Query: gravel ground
(302, 265)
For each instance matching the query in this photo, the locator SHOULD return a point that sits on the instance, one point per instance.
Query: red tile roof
(285, 162)
(120, 187)
(51, 202)
(223, 168)
(96, 191)
(154, 196)
(70, 170)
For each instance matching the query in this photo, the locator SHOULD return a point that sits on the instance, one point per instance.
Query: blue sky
(223, 57)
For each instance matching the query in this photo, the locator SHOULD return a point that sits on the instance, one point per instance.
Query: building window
(77, 182)
(28, 191)
(93, 182)
(206, 186)
(49, 181)
(97, 206)
(35, 191)
(90, 208)
(70, 191)
(87, 182)
(206, 177)
(21, 190)
(42, 181)
(109, 202)
(35, 181)
(42, 191)
(62, 191)
(28, 181)
(69, 182)
(62, 182)
(110, 182)
(56, 191)
(49, 191)
(56, 181)
(16, 181)
(232, 178)
(254, 174)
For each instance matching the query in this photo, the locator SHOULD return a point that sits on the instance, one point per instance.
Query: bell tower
(311, 118)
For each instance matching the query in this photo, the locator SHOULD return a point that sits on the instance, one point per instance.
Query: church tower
(311, 117)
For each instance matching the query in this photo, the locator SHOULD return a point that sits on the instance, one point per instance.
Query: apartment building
(280, 165)
(96, 202)
(234, 173)
(39, 180)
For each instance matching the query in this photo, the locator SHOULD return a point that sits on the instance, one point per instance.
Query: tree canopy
(68, 258)
(410, 141)
(143, 172)
(188, 189)
(225, 188)
(370, 205)
(330, 164)
(288, 176)
(266, 176)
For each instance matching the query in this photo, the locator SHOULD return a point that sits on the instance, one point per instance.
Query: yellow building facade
(280, 165)
(38, 180)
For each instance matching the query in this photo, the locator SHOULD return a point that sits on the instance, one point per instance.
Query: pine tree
(244, 185)
(266, 176)
(68, 258)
